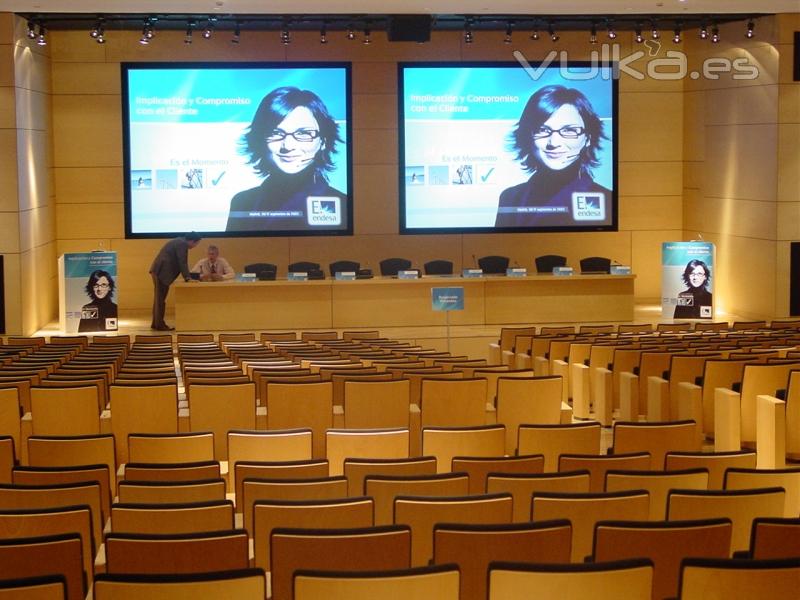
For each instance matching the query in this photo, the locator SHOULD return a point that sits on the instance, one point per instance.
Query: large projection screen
(237, 149)
(502, 147)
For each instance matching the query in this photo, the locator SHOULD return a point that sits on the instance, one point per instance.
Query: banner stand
(687, 280)
(447, 299)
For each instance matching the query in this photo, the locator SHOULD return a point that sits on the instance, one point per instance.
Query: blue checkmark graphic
(216, 181)
(488, 173)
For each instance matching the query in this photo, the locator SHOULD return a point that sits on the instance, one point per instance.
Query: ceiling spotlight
(209, 30)
(638, 31)
(367, 36)
(535, 34)
(351, 34)
(41, 39)
(509, 30)
(237, 33)
(750, 27)
(96, 28)
(468, 36)
(147, 32)
(654, 30)
(703, 31)
(100, 38)
(593, 34)
(553, 35)
(286, 35)
(187, 38)
(714, 34)
(323, 33)
(31, 30)
(612, 34)
(676, 38)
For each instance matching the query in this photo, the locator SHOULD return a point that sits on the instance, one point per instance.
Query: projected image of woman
(557, 140)
(101, 313)
(695, 301)
(290, 144)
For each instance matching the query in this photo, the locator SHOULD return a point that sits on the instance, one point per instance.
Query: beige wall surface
(687, 149)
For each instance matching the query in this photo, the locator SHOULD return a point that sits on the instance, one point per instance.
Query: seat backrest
(50, 555)
(384, 489)
(788, 479)
(370, 404)
(295, 469)
(595, 264)
(479, 467)
(630, 579)
(547, 262)
(528, 400)
(254, 490)
(342, 444)
(7, 458)
(172, 518)
(453, 403)
(52, 522)
(65, 411)
(172, 472)
(473, 547)
(390, 266)
(170, 492)
(422, 513)
(718, 373)
(428, 583)
(247, 584)
(171, 448)
(554, 440)
(655, 438)
(775, 538)
(308, 405)
(658, 484)
(142, 409)
(522, 486)
(70, 451)
(756, 380)
(192, 553)
(48, 587)
(220, 408)
(367, 549)
(357, 469)
(343, 265)
(703, 578)
(665, 543)
(342, 513)
(598, 466)
(54, 476)
(715, 462)
(269, 446)
(303, 265)
(438, 267)
(493, 264)
(740, 506)
(260, 267)
(447, 442)
(10, 414)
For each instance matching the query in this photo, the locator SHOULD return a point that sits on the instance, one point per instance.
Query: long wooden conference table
(391, 302)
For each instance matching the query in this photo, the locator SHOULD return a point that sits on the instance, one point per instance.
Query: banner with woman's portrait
(88, 292)
(687, 281)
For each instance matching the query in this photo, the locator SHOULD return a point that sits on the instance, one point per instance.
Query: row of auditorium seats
(661, 458)
(391, 266)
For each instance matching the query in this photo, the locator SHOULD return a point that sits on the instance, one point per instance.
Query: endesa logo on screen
(588, 206)
(323, 210)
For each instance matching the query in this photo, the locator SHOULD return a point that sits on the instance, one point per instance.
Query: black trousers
(160, 292)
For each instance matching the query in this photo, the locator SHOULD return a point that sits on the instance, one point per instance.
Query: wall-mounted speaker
(409, 28)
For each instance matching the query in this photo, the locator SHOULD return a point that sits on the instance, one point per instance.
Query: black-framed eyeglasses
(102, 286)
(301, 135)
(568, 132)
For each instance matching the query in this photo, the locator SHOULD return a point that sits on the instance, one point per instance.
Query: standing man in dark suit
(171, 261)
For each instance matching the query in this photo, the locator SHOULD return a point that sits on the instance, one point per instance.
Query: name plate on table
(620, 270)
(516, 272)
(246, 277)
(562, 271)
(410, 274)
(345, 275)
(472, 273)
(297, 276)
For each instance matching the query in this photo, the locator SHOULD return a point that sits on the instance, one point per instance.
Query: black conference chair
(343, 265)
(391, 266)
(548, 262)
(493, 264)
(313, 269)
(595, 264)
(438, 267)
(264, 271)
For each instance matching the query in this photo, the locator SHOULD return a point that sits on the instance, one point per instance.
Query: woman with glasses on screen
(556, 139)
(290, 143)
(101, 313)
